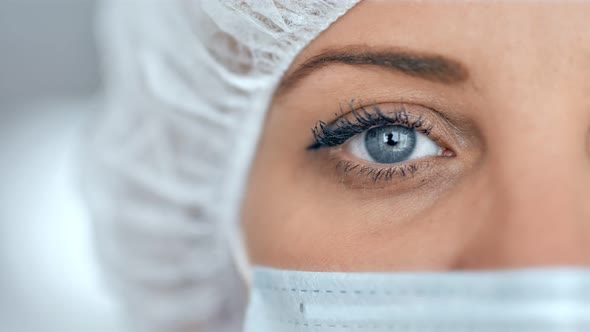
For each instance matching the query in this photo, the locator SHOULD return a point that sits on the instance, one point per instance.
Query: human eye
(382, 142)
(390, 144)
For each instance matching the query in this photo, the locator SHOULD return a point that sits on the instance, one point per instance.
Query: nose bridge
(535, 177)
(535, 172)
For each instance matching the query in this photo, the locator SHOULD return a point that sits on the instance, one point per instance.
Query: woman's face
(427, 136)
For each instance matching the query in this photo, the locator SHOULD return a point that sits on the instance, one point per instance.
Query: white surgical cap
(188, 83)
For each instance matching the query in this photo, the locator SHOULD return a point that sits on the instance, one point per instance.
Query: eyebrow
(431, 67)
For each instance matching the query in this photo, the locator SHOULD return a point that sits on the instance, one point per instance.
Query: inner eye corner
(448, 153)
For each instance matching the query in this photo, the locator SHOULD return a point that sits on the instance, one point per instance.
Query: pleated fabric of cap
(187, 86)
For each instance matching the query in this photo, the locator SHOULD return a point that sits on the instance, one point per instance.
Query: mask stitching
(454, 327)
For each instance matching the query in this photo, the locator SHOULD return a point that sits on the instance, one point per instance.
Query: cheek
(295, 222)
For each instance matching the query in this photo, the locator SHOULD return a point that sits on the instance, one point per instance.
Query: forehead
(473, 32)
(516, 50)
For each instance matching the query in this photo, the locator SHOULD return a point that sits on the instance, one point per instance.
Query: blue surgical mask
(531, 300)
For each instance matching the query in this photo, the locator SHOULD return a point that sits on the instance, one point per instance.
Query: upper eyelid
(328, 131)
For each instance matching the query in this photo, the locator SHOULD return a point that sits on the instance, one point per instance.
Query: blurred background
(49, 83)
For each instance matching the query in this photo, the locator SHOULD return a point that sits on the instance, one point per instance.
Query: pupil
(390, 141)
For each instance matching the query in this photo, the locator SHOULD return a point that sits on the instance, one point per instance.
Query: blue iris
(390, 144)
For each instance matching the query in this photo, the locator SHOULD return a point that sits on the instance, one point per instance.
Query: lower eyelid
(408, 175)
(359, 175)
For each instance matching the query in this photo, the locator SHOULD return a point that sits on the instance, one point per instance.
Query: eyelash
(377, 174)
(339, 132)
(335, 134)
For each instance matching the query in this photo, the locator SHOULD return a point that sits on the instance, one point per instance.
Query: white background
(49, 281)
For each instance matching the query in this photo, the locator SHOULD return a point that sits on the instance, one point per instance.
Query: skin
(514, 192)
